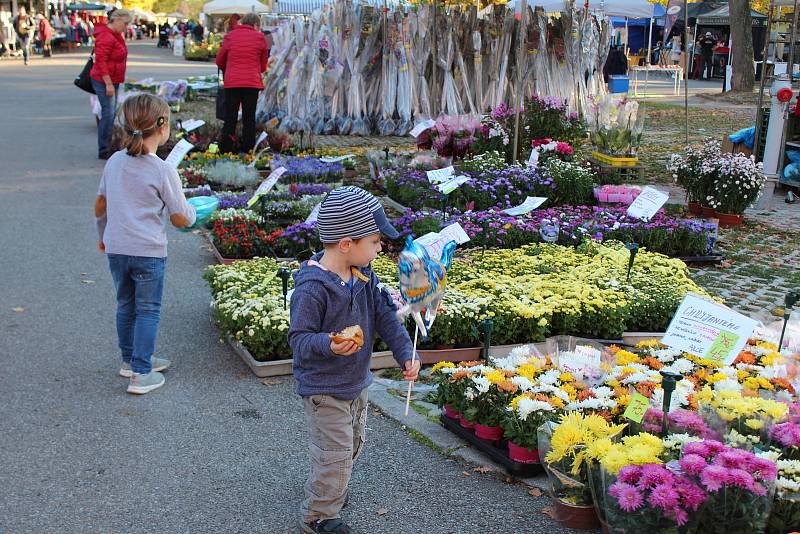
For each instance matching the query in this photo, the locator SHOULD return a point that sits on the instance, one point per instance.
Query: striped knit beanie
(352, 212)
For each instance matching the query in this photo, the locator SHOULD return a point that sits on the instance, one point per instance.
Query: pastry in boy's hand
(351, 333)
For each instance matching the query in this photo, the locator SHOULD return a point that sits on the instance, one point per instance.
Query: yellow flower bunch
(495, 376)
(574, 433)
(633, 450)
(731, 405)
(625, 357)
(442, 365)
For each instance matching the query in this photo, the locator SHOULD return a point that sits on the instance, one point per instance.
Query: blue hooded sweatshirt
(323, 303)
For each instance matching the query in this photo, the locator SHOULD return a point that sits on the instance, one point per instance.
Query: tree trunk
(743, 79)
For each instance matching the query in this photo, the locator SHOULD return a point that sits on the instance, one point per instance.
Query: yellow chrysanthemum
(442, 365)
(566, 377)
(755, 424)
(625, 357)
(494, 376)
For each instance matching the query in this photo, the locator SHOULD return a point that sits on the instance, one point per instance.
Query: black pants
(248, 98)
(708, 66)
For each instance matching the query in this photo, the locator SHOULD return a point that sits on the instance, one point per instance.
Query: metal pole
(685, 70)
(434, 109)
(759, 109)
(650, 43)
(522, 36)
(790, 69)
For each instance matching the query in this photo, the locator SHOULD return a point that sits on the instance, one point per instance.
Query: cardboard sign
(451, 185)
(328, 159)
(261, 138)
(530, 204)
(192, 124)
(266, 185)
(422, 126)
(434, 242)
(647, 204)
(637, 408)
(708, 329)
(178, 152)
(314, 214)
(440, 175)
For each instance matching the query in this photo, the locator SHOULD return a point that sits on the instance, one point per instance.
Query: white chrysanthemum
(677, 441)
(522, 383)
(481, 383)
(552, 390)
(603, 391)
(469, 394)
(666, 355)
(527, 406)
(728, 385)
(680, 366)
(550, 377)
(635, 378)
(774, 371)
(592, 404)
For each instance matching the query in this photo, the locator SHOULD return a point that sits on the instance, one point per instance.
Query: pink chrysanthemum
(663, 496)
(714, 477)
(693, 464)
(767, 470)
(653, 475)
(692, 495)
(741, 478)
(698, 448)
(628, 497)
(630, 474)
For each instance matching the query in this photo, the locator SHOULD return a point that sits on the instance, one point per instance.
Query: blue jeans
(108, 108)
(140, 285)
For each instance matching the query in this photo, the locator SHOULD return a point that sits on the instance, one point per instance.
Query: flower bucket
(451, 412)
(729, 220)
(492, 433)
(522, 455)
(465, 423)
(708, 213)
(695, 208)
(575, 516)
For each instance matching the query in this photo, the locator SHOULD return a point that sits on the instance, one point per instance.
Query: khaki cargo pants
(336, 439)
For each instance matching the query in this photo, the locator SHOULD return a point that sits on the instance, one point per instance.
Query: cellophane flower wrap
(785, 516)
(740, 487)
(740, 419)
(568, 448)
(786, 437)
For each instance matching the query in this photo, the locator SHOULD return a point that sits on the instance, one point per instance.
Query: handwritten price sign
(722, 346)
(637, 408)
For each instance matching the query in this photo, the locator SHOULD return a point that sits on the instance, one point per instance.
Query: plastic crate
(605, 159)
(618, 83)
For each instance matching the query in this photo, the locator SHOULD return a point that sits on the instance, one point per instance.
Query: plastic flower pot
(602, 197)
(465, 423)
(729, 220)
(708, 213)
(576, 516)
(522, 455)
(614, 197)
(451, 412)
(491, 433)
(695, 208)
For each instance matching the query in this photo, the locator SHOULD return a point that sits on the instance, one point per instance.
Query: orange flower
(507, 387)
(745, 357)
(620, 391)
(541, 397)
(509, 374)
(586, 394)
(469, 364)
(646, 388)
(459, 375)
(784, 384)
(653, 363)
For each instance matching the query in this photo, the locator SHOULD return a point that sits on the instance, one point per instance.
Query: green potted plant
(737, 183)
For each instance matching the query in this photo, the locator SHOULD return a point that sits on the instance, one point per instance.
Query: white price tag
(647, 203)
(329, 159)
(456, 233)
(422, 126)
(530, 204)
(451, 185)
(440, 175)
(261, 138)
(708, 329)
(192, 124)
(266, 185)
(434, 242)
(533, 159)
(178, 152)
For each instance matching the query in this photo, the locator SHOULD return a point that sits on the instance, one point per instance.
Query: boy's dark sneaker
(327, 526)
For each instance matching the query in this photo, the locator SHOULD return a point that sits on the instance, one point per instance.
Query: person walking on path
(136, 191)
(334, 291)
(110, 61)
(242, 58)
(23, 25)
(707, 45)
(45, 35)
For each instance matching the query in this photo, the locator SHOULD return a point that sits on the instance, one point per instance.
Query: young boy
(334, 291)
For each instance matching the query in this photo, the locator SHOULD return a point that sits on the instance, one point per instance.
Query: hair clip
(137, 132)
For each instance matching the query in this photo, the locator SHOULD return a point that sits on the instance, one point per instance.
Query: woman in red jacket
(242, 58)
(110, 58)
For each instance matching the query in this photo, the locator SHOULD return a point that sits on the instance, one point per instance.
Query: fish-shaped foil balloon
(422, 282)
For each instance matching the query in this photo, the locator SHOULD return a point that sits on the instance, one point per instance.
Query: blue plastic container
(204, 207)
(618, 83)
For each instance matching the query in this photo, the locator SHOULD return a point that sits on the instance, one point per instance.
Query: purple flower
(628, 497)
(693, 464)
(692, 495)
(741, 478)
(663, 496)
(699, 448)
(715, 477)
(654, 475)
(630, 474)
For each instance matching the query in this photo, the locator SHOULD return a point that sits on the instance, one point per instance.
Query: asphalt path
(215, 450)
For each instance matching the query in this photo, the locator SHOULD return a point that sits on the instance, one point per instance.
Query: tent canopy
(87, 6)
(176, 15)
(230, 7)
(721, 16)
(610, 8)
(296, 7)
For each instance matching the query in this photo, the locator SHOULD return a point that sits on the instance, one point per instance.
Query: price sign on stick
(178, 152)
(261, 138)
(192, 124)
(422, 126)
(647, 203)
(708, 329)
(440, 175)
(451, 185)
(336, 159)
(530, 204)
(637, 408)
(266, 185)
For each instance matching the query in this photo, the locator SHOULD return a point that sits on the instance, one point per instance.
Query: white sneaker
(145, 383)
(159, 364)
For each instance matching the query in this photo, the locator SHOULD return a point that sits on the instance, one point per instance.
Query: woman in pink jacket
(242, 58)
(110, 61)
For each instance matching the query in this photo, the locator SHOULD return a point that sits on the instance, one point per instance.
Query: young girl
(136, 190)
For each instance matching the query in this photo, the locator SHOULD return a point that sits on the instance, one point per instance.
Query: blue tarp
(639, 29)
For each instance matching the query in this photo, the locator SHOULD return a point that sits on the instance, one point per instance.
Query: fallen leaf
(483, 469)
(271, 381)
(509, 480)
(87, 281)
(242, 375)
(18, 309)
(466, 473)
(84, 274)
(535, 492)
(549, 512)
(382, 511)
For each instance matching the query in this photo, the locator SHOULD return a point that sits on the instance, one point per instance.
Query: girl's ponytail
(141, 116)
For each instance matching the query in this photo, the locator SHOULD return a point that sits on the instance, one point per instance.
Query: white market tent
(230, 7)
(611, 8)
(176, 15)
